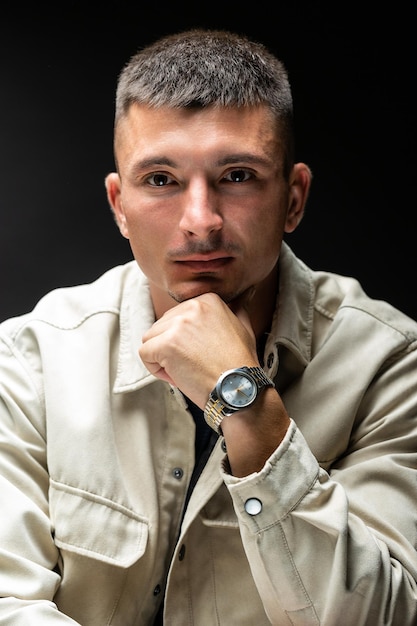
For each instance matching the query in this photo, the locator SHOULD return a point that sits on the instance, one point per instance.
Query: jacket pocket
(96, 527)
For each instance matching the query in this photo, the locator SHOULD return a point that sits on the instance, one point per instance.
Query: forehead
(145, 128)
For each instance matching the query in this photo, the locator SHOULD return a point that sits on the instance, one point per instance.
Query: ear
(113, 189)
(300, 181)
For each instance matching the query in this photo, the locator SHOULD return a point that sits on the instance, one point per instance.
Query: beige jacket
(95, 457)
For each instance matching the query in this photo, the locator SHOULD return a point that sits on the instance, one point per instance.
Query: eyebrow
(244, 157)
(142, 164)
(226, 160)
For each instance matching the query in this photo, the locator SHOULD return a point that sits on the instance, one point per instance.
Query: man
(212, 433)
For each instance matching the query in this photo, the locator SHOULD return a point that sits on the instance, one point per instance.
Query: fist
(197, 340)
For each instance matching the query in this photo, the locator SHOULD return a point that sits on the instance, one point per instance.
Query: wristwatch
(235, 390)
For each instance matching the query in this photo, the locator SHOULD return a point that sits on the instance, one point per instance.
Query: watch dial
(238, 390)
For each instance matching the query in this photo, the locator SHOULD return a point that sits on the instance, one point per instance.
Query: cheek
(265, 240)
(266, 229)
(143, 226)
(148, 237)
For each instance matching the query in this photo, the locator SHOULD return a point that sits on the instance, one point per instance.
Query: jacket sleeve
(29, 575)
(338, 545)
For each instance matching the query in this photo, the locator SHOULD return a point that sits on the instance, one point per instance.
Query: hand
(197, 340)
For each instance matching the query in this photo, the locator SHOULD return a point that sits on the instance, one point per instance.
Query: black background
(352, 70)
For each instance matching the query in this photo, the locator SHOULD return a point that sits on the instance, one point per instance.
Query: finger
(153, 366)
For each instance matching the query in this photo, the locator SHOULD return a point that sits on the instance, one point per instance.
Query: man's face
(201, 197)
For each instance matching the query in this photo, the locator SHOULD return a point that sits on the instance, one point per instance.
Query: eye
(159, 180)
(238, 176)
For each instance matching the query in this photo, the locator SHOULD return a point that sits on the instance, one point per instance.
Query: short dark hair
(201, 68)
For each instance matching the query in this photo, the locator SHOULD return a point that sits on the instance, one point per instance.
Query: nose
(200, 215)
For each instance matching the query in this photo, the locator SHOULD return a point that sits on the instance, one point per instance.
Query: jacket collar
(291, 326)
(136, 316)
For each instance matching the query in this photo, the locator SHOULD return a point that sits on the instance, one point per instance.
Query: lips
(206, 256)
(205, 264)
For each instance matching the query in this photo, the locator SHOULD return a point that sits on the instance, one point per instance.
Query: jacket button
(181, 554)
(253, 506)
(177, 473)
(223, 445)
(157, 590)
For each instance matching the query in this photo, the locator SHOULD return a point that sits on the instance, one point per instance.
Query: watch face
(237, 390)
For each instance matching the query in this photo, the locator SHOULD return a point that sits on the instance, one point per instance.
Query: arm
(28, 555)
(190, 346)
(344, 537)
(315, 554)
(324, 544)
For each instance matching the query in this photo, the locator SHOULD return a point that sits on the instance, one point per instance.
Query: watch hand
(239, 389)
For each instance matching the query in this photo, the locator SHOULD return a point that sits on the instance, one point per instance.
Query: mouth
(205, 264)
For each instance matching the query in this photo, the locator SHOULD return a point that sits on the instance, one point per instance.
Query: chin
(193, 291)
(188, 294)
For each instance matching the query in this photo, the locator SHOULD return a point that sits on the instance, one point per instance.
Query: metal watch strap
(214, 411)
(261, 377)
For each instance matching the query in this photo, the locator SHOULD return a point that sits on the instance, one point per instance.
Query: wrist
(235, 391)
(252, 435)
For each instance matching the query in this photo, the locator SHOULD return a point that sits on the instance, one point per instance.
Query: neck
(262, 305)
